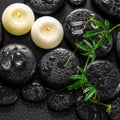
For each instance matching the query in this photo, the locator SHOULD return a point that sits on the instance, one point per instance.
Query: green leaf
(77, 84)
(88, 96)
(118, 8)
(81, 70)
(100, 41)
(86, 90)
(83, 47)
(76, 77)
(88, 43)
(92, 33)
(110, 38)
(86, 54)
(97, 22)
(94, 44)
(107, 24)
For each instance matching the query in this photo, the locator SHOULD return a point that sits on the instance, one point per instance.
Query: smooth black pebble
(17, 65)
(52, 70)
(74, 29)
(88, 110)
(45, 6)
(61, 101)
(7, 96)
(76, 2)
(1, 33)
(105, 77)
(34, 92)
(115, 111)
(118, 46)
(109, 7)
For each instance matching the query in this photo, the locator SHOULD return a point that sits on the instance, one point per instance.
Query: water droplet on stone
(19, 59)
(6, 61)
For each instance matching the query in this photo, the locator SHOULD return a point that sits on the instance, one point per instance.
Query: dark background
(22, 110)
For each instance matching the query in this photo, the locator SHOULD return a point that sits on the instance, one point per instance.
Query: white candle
(18, 19)
(47, 32)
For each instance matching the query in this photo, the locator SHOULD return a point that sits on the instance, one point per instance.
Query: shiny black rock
(45, 7)
(115, 111)
(105, 77)
(52, 68)
(7, 96)
(17, 65)
(109, 7)
(88, 110)
(34, 92)
(61, 101)
(74, 29)
(76, 2)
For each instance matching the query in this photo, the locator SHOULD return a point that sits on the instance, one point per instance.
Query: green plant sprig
(89, 49)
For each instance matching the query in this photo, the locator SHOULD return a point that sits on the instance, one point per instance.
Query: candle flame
(48, 29)
(19, 14)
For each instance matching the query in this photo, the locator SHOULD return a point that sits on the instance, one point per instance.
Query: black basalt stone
(52, 70)
(61, 101)
(115, 111)
(74, 29)
(76, 2)
(45, 6)
(34, 92)
(7, 96)
(17, 65)
(88, 110)
(105, 77)
(109, 7)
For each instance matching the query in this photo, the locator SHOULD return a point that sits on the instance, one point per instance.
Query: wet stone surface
(105, 77)
(109, 7)
(76, 2)
(88, 110)
(45, 6)
(115, 112)
(1, 33)
(52, 70)
(74, 29)
(17, 65)
(7, 96)
(34, 92)
(61, 101)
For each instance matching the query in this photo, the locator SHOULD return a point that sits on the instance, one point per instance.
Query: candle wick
(48, 29)
(19, 14)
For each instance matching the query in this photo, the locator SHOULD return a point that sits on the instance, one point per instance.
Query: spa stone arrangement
(59, 60)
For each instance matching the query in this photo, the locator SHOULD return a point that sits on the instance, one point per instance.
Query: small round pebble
(17, 65)
(52, 70)
(109, 7)
(7, 96)
(115, 111)
(76, 2)
(45, 7)
(118, 46)
(74, 24)
(61, 101)
(34, 92)
(105, 77)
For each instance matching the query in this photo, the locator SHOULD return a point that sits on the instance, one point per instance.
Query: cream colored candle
(47, 32)
(18, 19)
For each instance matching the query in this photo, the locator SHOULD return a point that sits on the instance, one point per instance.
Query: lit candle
(18, 19)
(47, 32)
